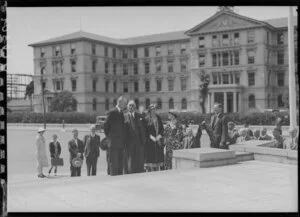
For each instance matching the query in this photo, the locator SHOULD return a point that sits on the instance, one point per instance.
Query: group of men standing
(126, 139)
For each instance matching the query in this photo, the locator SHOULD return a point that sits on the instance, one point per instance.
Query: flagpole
(292, 85)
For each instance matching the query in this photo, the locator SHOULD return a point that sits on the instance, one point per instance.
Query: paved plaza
(249, 186)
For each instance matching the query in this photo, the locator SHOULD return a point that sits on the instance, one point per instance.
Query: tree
(62, 102)
(203, 89)
(29, 92)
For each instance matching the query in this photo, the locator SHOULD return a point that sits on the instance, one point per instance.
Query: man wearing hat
(42, 160)
(232, 133)
(91, 150)
(114, 129)
(76, 149)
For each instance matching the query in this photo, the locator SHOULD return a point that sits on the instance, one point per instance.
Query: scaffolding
(16, 85)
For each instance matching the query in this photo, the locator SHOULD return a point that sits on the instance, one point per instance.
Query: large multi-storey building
(246, 59)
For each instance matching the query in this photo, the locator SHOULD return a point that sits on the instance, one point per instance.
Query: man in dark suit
(76, 149)
(219, 126)
(135, 140)
(91, 150)
(114, 129)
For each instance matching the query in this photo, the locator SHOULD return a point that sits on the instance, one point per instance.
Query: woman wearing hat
(154, 150)
(42, 160)
(173, 138)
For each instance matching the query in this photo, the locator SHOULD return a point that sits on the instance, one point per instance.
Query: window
(57, 85)
(183, 103)
(73, 65)
(280, 79)
(236, 38)
(159, 103)
(106, 104)
(170, 50)
(73, 49)
(225, 59)
(280, 101)
(135, 69)
(114, 53)
(225, 39)
(125, 69)
(158, 66)
(251, 79)
(201, 60)
(94, 85)
(236, 57)
(115, 86)
(214, 59)
(105, 51)
(183, 66)
(158, 85)
(57, 50)
(94, 104)
(215, 79)
(214, 41)
(201, 42)
(183, 48)
(225, 79)
(251, 57)
(94, 49)
(147, 102)
(146, 51)
(42, 52)
(136, 86)
(94, 63)
(135, 53)
(157, 51)
(125, 87)
(147, 86)
(171, 103)
(115, 68)
(125, 54)
(106, 86)
(74, 105)
(147, 68)
(106, 67)
(280, 38)
(170, 66)
(251, 36)
(57, 67)
(115, 102)
(43, 85)
(251, 101)
(73, 81)
(280, 57)
(183, 84)
(171, 85)
(237, 79)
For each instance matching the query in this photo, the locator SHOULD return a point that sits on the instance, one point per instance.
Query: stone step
(244, 156)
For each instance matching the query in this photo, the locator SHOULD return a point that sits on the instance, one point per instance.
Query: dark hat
(172, 113)
(152, 106)
(75, 130)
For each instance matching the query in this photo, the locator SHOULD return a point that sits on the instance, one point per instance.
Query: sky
(30, 25)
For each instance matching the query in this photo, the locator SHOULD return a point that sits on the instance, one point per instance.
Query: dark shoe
(41, 176)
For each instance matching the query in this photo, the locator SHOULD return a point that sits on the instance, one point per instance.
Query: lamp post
(43, 97)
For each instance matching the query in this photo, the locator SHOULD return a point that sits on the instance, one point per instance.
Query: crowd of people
(139, 142)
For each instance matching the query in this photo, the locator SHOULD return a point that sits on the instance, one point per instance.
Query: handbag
(57, 161)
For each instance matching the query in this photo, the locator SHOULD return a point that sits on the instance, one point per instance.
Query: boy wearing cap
(76, 149)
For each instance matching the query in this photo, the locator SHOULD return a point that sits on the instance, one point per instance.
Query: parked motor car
(100, 123)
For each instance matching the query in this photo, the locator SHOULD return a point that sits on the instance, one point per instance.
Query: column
(225, 102)
(221, 59)
(212, 98)
(218, 80)
(234, 102)
(221, 81)
(240, 105)
(208, 103)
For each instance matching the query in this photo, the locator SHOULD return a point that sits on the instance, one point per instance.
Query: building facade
(246, 60)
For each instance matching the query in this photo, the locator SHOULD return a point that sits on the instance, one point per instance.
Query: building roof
(153, 38)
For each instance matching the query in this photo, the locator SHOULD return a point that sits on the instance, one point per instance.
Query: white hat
(41, 129)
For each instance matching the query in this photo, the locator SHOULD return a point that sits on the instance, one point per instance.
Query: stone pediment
(224, 22)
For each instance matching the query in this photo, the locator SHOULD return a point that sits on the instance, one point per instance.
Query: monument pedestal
(202, 158)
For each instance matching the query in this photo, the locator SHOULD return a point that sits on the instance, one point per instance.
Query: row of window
(183, 84)
(147, 103)
(251, 101)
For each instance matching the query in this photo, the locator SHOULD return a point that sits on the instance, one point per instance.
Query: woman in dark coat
(173, 138)
(154, 149)
(55, 151)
